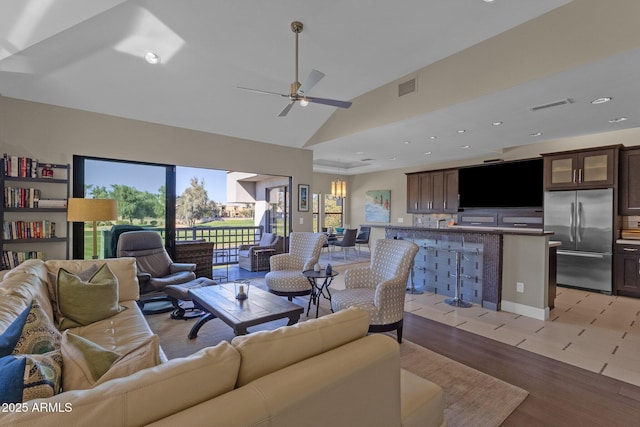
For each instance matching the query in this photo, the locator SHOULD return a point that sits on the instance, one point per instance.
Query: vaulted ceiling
(472, 64)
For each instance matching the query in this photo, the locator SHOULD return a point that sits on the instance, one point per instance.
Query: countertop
(476, 229)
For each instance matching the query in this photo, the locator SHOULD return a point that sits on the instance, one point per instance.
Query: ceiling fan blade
(286, 109)
(332, 102)
(314, 77)
(261, 91)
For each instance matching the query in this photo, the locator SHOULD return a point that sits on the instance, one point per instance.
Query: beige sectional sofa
(321, 372)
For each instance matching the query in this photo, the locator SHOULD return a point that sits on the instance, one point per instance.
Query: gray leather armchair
(156, 269)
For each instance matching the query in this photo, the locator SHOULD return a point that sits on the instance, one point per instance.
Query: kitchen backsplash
(431, 221)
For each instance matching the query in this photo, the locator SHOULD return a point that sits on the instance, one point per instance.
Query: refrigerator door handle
(582, 254)
(571, 230)
(579, 223)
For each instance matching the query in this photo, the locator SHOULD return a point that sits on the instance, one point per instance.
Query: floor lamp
(83, 210)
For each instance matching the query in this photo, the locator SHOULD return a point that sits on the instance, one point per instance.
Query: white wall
(54, 134)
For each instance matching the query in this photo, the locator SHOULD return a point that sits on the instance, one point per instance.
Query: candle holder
(242, 288)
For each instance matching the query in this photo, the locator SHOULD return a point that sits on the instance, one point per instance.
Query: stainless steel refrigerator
(582, 221)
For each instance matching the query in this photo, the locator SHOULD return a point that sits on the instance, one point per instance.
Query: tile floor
(597, 332)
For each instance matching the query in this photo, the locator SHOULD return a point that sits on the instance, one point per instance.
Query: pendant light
(339, 188)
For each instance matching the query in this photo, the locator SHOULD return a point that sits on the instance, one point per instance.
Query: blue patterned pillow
(10, 337)
(30, 376)
(38, 335)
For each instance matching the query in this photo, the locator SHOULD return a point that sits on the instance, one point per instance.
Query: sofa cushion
(123, 268)
(87, 364)
(264, 352)
(52, 287)
(145, 396)
(84, 302)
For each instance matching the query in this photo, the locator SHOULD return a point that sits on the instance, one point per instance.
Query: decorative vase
(329, 270)
(317, 267)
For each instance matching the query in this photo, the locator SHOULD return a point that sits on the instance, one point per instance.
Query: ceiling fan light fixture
(152, 58)
(304, 102)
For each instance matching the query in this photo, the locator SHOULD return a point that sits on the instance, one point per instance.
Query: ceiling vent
(552, 104)
(407, 87)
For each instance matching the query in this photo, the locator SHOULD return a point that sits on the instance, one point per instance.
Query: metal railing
(227, 240)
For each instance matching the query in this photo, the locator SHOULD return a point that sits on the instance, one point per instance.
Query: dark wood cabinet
(627, 270)
(594, 168)
(413, 193)
(630, 181)
(521, 218)
(450, 191)
(478, 217)
(432, 192)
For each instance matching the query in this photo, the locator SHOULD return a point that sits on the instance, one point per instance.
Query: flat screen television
(517, 184)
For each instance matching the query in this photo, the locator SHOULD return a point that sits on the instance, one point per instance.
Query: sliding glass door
(145, 193)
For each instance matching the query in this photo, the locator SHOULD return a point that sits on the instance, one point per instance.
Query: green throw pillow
(85, 302)
(52, 286)
(87, 364)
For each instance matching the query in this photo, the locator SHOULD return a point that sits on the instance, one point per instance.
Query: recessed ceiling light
(601, 100)
(427, 153)
(496, 123)
(407, 142)
(432, 137)
(462, 131)
(488, 1)
(535, 134)
(466, 146)
(393, 158)
(359, 152)
(618, 120)
(152, 58)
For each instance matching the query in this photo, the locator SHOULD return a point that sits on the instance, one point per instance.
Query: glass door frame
(78, 190)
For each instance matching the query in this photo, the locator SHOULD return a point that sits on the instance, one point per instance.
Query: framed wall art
(377, 206)
(303, 198)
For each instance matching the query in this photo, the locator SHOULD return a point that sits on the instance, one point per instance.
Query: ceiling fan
(298, 91)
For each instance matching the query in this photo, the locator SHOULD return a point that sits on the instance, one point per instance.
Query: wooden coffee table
(261, 307)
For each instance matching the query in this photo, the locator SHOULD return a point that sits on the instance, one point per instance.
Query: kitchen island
(500, 268)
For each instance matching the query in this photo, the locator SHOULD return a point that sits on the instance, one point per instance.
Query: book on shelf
(11, 259)
(17, 197)
(50, 203)
(18, 166)
(20, 230)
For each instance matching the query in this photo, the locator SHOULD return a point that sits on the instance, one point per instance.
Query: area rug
(471, 398)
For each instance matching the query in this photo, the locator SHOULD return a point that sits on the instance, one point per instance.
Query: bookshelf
(33, 210)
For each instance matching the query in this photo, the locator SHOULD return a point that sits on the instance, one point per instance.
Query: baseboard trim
(525, 310)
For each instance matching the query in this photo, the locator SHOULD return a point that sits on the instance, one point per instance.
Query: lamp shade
(91, 210)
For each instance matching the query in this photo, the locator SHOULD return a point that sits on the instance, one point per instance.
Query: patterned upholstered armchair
(285, 277)
(379, 288)
(247, 258)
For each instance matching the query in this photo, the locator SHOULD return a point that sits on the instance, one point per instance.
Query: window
(332, 211)
(316, 212)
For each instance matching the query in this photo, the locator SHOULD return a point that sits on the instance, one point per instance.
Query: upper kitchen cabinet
(594, 168)
(630, 181)
(432, 192)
